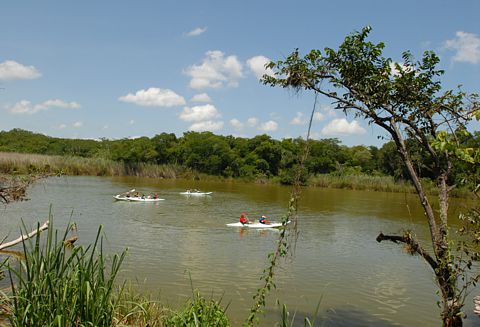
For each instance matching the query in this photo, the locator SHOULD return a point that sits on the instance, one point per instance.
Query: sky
(125, 69)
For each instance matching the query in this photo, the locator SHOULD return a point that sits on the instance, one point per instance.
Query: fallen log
(24, 237)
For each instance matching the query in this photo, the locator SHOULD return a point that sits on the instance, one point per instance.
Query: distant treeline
(260, 157)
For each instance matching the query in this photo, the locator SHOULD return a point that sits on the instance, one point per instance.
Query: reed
(137, 309)
(361, 182)
(20, 163)
(199, 312)
(56, 286)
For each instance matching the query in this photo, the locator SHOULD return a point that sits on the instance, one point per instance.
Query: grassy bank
(22, 164)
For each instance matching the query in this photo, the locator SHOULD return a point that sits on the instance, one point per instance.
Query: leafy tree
(164, 146)
(406, 102)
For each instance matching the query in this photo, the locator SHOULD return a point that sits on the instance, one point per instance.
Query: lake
(184, 241)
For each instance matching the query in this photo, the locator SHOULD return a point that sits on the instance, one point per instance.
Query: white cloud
(62, 126)
(302, 119)
(252, 121)
(154, 97)
(237, 124)
(467, 47)
(199, 113)
(318, 116)
(77, 124)
(299, 119)
(328, 110)
(395, 71)
(26, 107)
(202, 97)
(197, 31)
(269, 126)
(215, 71)
(131, 122)
(257, 65)
(208, 125)
(343, 127)
(11, 70)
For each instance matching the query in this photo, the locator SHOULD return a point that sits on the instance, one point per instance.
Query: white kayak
(136, 198)
(256, 225)
(195, 193)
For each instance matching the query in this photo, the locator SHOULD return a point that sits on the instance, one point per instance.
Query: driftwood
(24, 237)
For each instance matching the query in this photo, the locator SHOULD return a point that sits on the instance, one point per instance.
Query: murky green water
(184, 240)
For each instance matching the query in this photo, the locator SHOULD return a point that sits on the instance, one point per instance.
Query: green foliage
(199, 312)
(136, 309)
(227, 156)
(56, 286)
(427, 126)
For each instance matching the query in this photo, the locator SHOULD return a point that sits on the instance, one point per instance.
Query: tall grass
(199, 312)
(137, 309)
(361, 182)
(56, 286)
(20, 163)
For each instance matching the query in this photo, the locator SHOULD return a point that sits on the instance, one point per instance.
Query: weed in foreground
(57, 286)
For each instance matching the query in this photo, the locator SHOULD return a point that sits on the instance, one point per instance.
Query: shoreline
(12, 163)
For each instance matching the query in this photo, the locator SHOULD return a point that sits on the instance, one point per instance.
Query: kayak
(195, 193)
(135, 198)
(256, 225)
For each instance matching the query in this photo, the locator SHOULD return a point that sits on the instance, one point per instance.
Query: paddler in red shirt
(244, 219)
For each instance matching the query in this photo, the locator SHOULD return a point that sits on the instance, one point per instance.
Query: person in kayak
(263, 220)
(244, 220)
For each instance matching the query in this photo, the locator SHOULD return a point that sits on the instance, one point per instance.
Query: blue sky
(119, 69)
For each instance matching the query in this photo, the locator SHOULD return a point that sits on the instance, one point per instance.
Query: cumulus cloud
(26, 107)
(269, 126)
(207, 125)
(199, 113)
(202, 97)
(197, 31)
(327, 110)
(343, 127)
(252, 121)
(12, 70)
(154, 97)
(467, 47)
(395, 71)
(237, 124)
(215, 71)
(318, 116)
(257, 65)
(62, 126)
(299, 119)
(77, 124)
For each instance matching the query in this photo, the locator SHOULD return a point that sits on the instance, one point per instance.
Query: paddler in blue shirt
(263, 220)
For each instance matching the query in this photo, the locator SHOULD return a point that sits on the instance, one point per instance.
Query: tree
(407, 101)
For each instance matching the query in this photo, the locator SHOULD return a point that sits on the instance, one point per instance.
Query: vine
(283, 244)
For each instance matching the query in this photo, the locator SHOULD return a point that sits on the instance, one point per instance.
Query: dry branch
(412, 244)
(24, 237)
